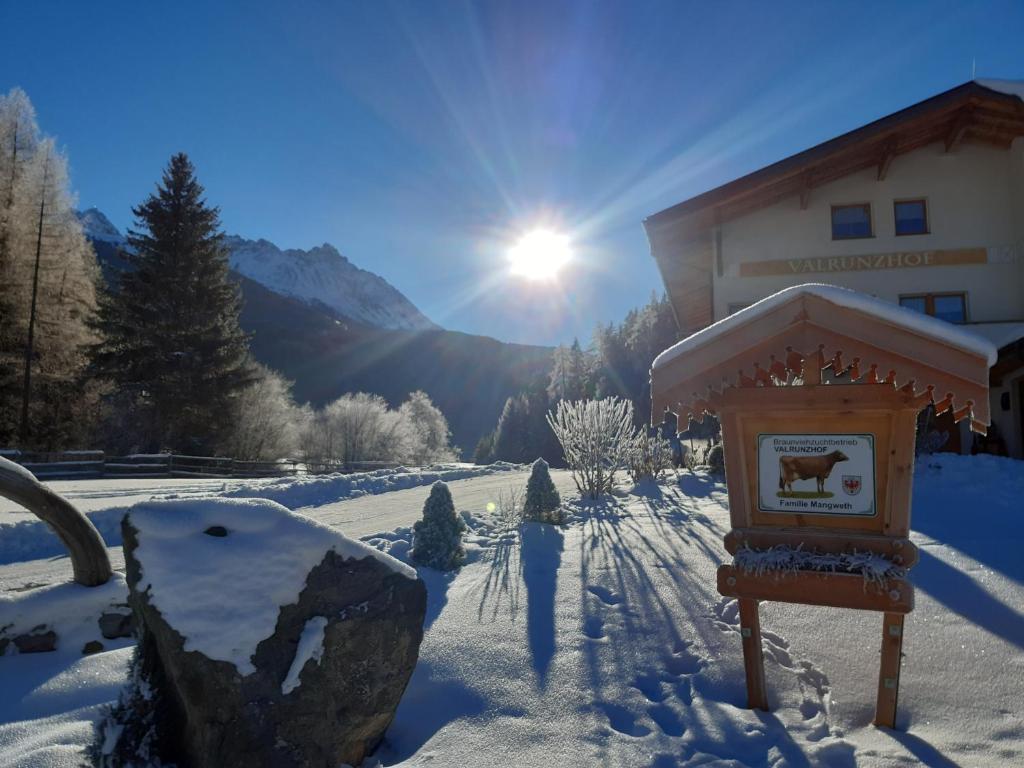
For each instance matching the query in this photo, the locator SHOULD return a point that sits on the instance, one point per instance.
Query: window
(911, 217)
(851, 221)
(951, 307)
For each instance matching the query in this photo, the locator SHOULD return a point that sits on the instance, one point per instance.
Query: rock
(39, 640)
(115, 625)
(216, 530)
(4, 642)
(93, 646)
(200, 712)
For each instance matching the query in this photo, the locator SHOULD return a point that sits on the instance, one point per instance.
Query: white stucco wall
(975, 198)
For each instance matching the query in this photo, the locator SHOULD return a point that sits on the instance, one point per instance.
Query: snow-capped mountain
(323, 275)
(320, 275)
(98, 227)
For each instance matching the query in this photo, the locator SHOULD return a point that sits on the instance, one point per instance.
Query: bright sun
(539, 255)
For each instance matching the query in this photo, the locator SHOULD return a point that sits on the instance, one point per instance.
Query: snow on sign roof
(912, 321)
(874, 341)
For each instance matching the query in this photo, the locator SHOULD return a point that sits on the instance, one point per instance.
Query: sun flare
(540, 255)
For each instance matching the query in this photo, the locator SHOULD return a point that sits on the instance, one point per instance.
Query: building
(924, 208)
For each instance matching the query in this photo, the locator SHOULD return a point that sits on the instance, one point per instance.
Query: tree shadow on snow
(427, 706)
(437, 583)
(962, 594)
(501, 582)
(541, 554)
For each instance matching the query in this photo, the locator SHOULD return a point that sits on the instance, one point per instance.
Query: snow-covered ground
(605, 642)
(28, 547)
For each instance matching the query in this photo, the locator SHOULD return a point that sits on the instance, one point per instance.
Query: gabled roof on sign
(988, 111)
(821, 333)
(901, 317)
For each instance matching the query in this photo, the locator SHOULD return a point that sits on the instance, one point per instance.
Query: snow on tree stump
(265, 639)
(542, 500)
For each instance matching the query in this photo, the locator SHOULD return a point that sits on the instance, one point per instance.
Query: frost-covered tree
(48, 281)
(571, 373)
(355, 428)
(437, 538)
(596, 436)
(173, 347)
(650, 456)
(427, 428)
(266, 423)
(542, 500)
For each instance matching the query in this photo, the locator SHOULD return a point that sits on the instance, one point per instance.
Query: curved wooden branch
(89, 558)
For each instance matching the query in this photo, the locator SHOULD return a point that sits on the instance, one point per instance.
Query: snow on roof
(1009, 87)
(224, 594)
(908, 319)
(1000, 334)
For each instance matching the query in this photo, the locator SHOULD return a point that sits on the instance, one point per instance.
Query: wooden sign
(952, 257)
(820, 474)
(819, 450)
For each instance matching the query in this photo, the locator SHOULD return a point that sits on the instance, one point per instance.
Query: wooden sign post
(817, 390)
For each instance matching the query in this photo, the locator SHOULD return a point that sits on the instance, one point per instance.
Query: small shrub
(437, 538)
(509, 509)
(650, 457)
(596, 436)
(542, 500)
(715, 459)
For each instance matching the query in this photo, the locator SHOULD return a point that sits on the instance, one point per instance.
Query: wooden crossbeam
(958, 129)
(888, 154)
(840, 590)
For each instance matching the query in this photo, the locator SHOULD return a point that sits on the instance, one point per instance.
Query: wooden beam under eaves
(888, 153)
(958, 129)
(805, 192)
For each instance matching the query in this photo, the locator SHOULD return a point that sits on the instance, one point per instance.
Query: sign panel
(816, 474)
(897, 260)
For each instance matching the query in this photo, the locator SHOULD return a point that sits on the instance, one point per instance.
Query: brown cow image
(804, 467)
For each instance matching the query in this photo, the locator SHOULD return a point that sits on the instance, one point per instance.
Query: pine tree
(542, 499)
(437, 538)
(173, 346)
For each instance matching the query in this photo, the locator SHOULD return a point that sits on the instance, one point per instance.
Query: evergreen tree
(542, 500)
(511, 437)
(173, 347)
(437, 538)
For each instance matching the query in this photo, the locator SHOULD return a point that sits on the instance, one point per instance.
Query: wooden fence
(69, 465)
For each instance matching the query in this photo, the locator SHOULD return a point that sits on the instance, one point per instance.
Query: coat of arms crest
(851, 484)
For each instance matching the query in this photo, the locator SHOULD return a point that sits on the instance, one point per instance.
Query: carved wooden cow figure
(804, 467)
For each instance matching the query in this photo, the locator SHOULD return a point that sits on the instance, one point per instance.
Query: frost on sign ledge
(783, 559)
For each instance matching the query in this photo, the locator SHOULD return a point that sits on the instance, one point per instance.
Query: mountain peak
(320, 275)
(323, 275)
(97, 226)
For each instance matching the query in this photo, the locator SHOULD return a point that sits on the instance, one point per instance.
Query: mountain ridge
(327, 354)
(319, 275)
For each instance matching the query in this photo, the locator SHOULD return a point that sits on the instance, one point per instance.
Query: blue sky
(422, 138)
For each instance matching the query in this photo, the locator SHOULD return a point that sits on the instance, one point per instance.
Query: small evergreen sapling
(542, 499)
(437, 538)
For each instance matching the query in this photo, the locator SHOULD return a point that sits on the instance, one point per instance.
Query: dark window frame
(929, 301)
(927, 219)
(871, 221)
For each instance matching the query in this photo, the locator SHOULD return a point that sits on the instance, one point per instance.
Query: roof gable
(989, 111)
(820, 332)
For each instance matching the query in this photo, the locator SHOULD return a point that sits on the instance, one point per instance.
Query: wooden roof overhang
(968, 113)
(681, 236)
(804, 336)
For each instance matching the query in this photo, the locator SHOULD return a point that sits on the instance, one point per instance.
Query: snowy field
(605, 642)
